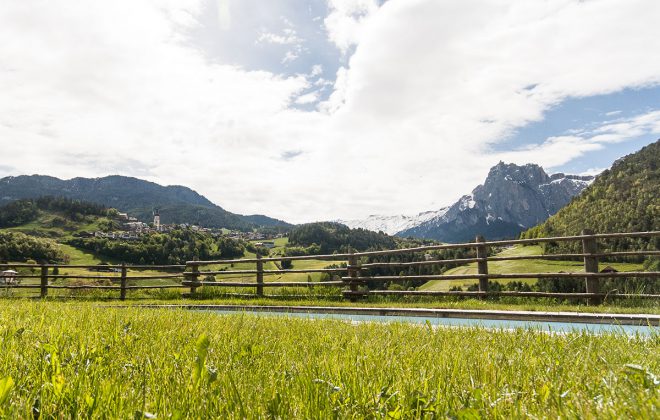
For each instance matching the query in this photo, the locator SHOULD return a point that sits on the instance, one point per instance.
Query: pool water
(563, 327)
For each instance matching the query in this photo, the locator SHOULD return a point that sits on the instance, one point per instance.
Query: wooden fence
(353, 275)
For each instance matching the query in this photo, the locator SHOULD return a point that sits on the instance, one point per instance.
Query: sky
(311, 110)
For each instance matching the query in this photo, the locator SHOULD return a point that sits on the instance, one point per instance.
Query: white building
(8, 277)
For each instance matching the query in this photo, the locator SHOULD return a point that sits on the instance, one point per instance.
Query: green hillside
(177, 204)
(56, 217)
(329, 237)
(32, 227)
(625, 198)
(38, 229)
(517, 266)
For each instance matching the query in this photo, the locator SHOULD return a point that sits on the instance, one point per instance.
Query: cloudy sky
(324, 109)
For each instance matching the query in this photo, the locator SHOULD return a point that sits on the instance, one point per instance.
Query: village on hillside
(131, 229)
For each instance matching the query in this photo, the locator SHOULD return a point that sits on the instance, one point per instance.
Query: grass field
(519, 266)
(79, 360)
(45, 225)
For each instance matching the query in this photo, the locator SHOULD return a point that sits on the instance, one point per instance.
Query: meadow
(521, 266)
(83, 360)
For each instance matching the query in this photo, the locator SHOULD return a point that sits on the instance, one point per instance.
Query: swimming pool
(442, 320)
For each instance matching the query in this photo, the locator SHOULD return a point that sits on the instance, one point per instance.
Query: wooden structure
(354, 274)
(8, 277)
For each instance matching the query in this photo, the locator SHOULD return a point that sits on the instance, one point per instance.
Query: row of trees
(16, 246)
(564, 285)
(18, 213)
(175, 247)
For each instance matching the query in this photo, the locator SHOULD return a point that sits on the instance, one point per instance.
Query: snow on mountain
(512, 198)
(393, 224)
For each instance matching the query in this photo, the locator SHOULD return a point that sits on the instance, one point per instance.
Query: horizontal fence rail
(353, 276)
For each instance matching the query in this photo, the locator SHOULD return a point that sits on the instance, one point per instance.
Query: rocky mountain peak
(511, 199)
(527, 174)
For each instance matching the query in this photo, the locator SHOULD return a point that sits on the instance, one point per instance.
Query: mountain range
(393, 224)
(176, 204)
(512, 199)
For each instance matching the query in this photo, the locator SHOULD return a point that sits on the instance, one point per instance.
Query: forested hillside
(625, 198)
(334, 237)
(138, 197)
(20, 212)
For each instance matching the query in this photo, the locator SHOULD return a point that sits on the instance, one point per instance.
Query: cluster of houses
(253, 236)
(123, 235)
(132, 229)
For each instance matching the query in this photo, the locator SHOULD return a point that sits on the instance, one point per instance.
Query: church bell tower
(157, 220)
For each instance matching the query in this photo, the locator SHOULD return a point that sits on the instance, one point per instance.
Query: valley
(74, 232)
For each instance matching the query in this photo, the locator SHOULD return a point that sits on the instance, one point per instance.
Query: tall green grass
(62, 360)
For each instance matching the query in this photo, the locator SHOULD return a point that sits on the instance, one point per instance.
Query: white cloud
(556, 151)
(290, 56)
(224, 14)
(432, 84)
(82, 97)
(592, 171)
(346, 21)
(307, 98)
(317, 70)
(287, 37)
(625, 128)
(100, 87)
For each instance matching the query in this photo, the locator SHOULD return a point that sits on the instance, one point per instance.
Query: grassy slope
(280, 243)
(74, 360)
(43, 226)
(519, 266)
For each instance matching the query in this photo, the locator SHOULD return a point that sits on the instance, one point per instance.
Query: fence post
(44, 281)
(590, 246)
(122, 291)
(482, 264)
(353, 272)
(260, 275)
(194, 278)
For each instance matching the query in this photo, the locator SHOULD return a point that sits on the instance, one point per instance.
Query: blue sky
(588, 113)
(325, 109)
